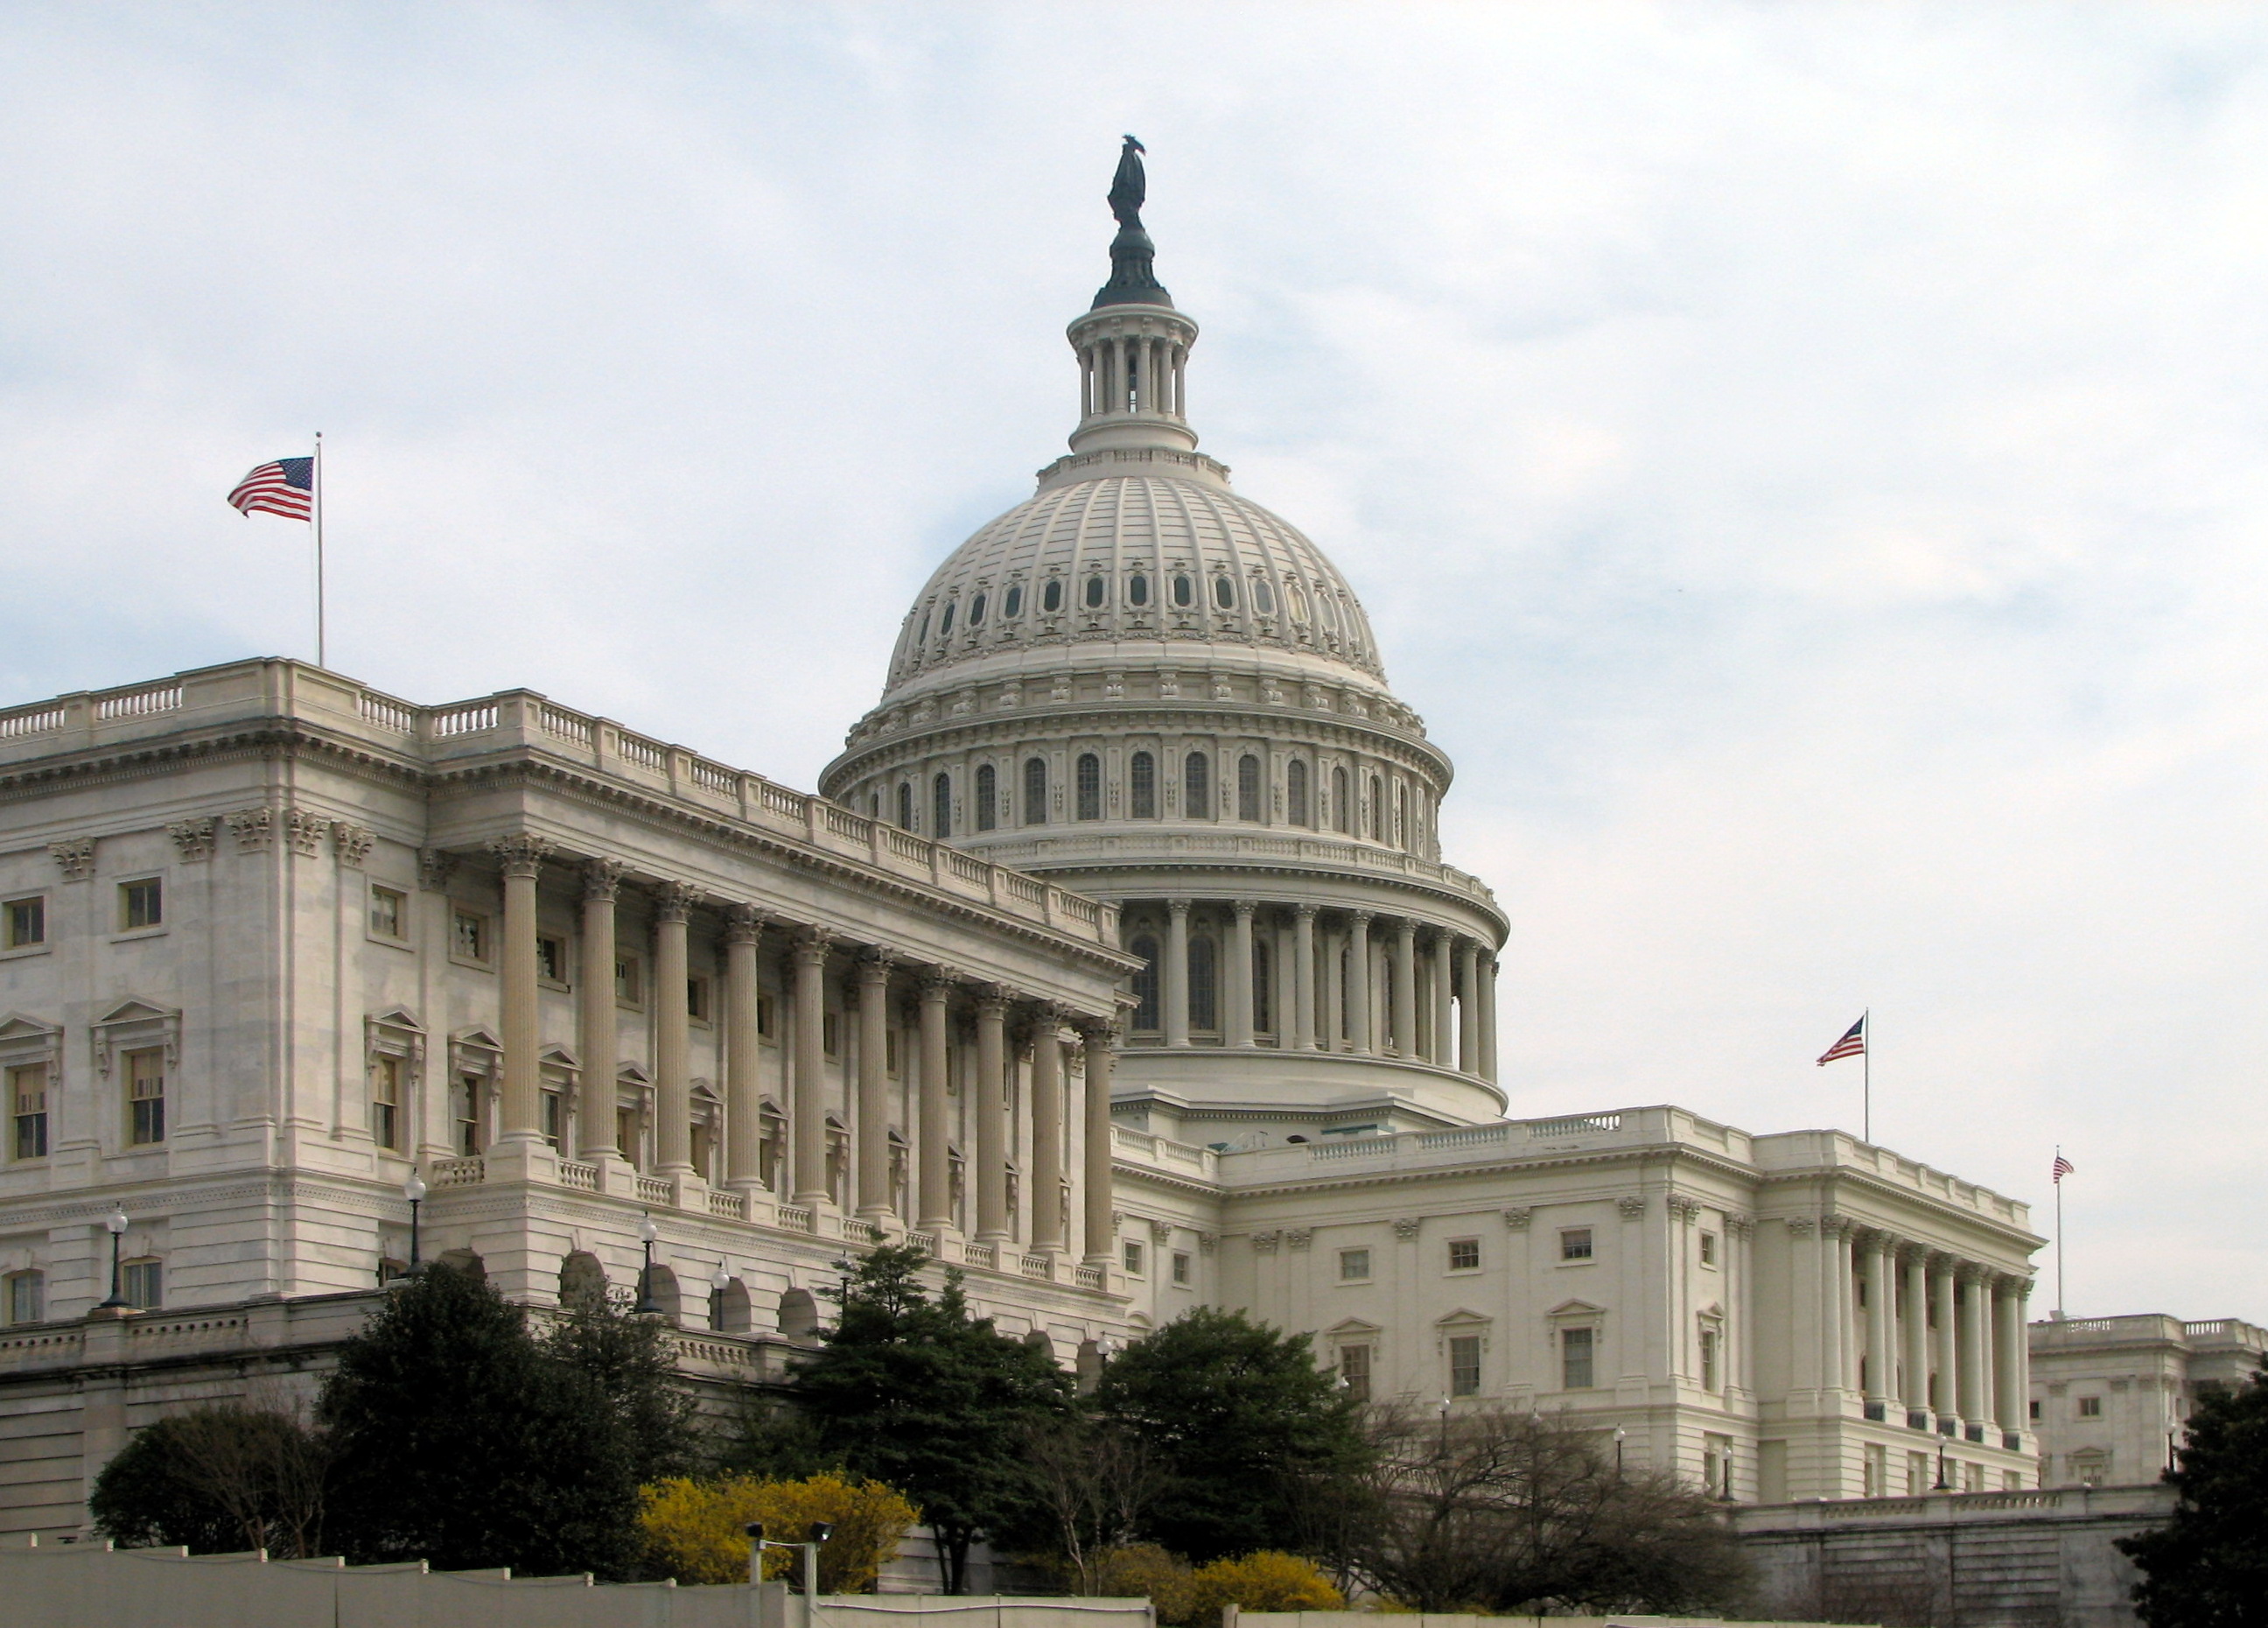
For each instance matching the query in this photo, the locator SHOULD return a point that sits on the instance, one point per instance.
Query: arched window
(1142, 785)
(946, 626)
(1095, 590)
(1052, 596)
(1011, 605)
(1196, 786)
(1377, 809)
(1035, 791)
(988, 798)
(1295, 791)
(1089, 786)
(1247, 787)
(1263, 1002)
(1138, 589)
(1224, 592)
(1205, 995)
(1400, 813)
(874, 805)
(940, 806)
(1342, 814)
(1263, 598)
(1145, 983)
(922, 638)
(905, 805)
(1185, 591)
(976, 612)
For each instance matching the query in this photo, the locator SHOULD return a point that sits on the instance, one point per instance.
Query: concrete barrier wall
(1234, 1618)
(93, 1586)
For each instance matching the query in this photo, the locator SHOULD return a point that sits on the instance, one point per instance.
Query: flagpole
(1866, 1076)
(321, 640)
(2058, 1191)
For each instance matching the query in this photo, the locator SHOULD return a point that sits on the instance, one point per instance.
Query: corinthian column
(1468, 1006)
(1357, 982)
(1438, 1051)
(936, 1208)
(1948, 1401)
(874, 1130)
(601, 1049)
(1046, 1196)
(1177, 972)
(743, 1046)
(1488, 1017)
(1972, 1338)
(1405, 988)
(672, 904)
(1303, 978)
(520, 857)
(1095, 1240)
(1881, 1298)
(990, 1091)
(1240, 973)
(810, 1107)
(2009, 1393)
(1915, 1392)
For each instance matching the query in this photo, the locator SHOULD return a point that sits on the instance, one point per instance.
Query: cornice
(1261, 863)
(1337, 1180)
(1875, 1186)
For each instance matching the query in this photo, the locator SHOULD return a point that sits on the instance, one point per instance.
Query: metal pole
(1865, 1076)
(810, 1586)
(2060, 1307)
(322, 642)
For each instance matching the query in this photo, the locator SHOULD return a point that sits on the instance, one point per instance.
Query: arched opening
(661, 1290)
(1012, 603)
(799, 1315)
(1145, 983)
(1089, 786)
(941, 806)
(1377, 808)
(945, 627)
(1142, 785)
(1224, 592)
(1196, 786)
(1137, 590)
(1052, 596)
(464, 1260)
(1342, 814)
(1095, 590)
(1035, 791)
(1295, 792)
(905, 805)
(976, 612)
(582, 1282)
(1247, 787)
(729, 1312)
(988, 798)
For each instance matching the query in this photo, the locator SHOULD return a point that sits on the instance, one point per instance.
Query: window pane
(1012, 605)
(1464, 1255)
(1354, 1264)
(145, 1091)
(1575, 1244)
(385, 912)
(141, 905)
(1354, 1368)
(1145, 983)
(1247, 787)
(1090, 786)
(988, 792)
(1052, 596)
(1575, 1359)
(1205, 1002)
(1196, 786)
(1224, 592)
(27, 923)
(1035, 791)
(1295, 791)
(940, 810)
(1142, 785)
(1465, 1365)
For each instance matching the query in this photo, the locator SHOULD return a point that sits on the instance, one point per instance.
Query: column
(1405, 988)
(935, 1207)
(1846, 1302)
(1970, 1347)
(1100, 1037)
(744, 1123)
(1469, 1008)
(2009, 1392)
(1948, 1383)
(1046, 1196)
(1357, 982)
(1303, 978)
(1488, 1017)
(601, 1049)
(874, 1128)
(809, 1108)
(1177, 972)
(1240, 973)
(1881, 1319)
(1334, 989)
(1915, 1392)
(1440, 1051)
(992, 1108)
(673, 1138)
(520, 857)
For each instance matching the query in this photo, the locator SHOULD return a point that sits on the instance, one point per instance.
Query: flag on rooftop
(286, 487)
(1852, 1044)
(2063, 1167)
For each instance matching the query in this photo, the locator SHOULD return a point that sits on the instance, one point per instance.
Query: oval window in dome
(1224, 592)
(944, 627)
(1330, 611)
(1013, 606)
(976, 612)
(1185, 591)
(1138, 589)
(1094, 592)
(1263, 598)
(1052, 596)
(1296, 602)
(922, 638)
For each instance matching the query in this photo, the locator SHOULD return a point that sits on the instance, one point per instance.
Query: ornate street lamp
(117, 1223)
(413, 1190)
(719, 1281)
(1619, 1433)
(1943, 1485)
(647, 1306)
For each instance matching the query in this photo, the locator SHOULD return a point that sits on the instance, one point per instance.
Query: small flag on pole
(1853, 1044)
(286, 487)
(2063, 1167)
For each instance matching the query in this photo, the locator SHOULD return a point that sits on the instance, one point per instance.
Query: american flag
(1852, 1044)
(2063, 1167)
(286, 487)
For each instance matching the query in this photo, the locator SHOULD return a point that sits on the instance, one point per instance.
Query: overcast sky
(1805, 463)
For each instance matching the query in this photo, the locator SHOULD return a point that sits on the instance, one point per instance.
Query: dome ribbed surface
(1167, 558)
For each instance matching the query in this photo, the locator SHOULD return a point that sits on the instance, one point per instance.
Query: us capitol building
(1116, 963)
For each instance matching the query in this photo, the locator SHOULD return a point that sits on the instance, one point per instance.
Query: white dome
(1161, 554)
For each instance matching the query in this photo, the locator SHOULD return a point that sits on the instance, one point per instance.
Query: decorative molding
(351, 842)
(744, 923)
(1739, 1223)
(1798, 1226)
(674, 902)
(304, 831)
(1632, 1205)
(1517, 1217)
(1300, 1237)
(520, 853)
(76, 856)
(1405, 1227)
(193, 839)
(132, 1025)
(434, 867)
(1207, 1242)
(254, 830)
(1265, 1243)
(602, 880)
(1161, 1233)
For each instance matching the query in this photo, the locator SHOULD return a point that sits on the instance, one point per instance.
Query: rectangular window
(626, 1134)
(2036, 1410)
(1575, 1244)
(831, 1037)
(629, 981)
(1972, 1479)
(1465, 1364)
(386, 1101)
(1129, 1256)
(550, 959)
(27, 1103)
(2090, 1407)
(1354, 1370)
(140, 904)
(1708, 1358)
(1464, 1255)
(25, 924)
(696, 1001)
(465, 1114)
(764, 1018)
(1876, 1476)
(1575, 1359)
(144, 1284)
(1917, 1474)
(1354, 1265)
(1708, 1249)
(389, 912)
(468, 937)
(890, 1050)
(145, 1097)
(551, 1117)
(27, 1297)
(1181, 1267)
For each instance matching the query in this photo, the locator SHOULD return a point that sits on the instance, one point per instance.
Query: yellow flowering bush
(1267, 1581)
(694, 1530)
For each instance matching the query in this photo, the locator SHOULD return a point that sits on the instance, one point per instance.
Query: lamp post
(820, 1531)
(719, 1281)
(116, 1222)
(1619, 1433)
(647, 1306)
(1943, 1485)
(413, 1190)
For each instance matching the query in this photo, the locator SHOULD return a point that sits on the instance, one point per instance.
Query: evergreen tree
(914, 1391)
(2207, 1567)
(1248, 1428)
(217, 1480)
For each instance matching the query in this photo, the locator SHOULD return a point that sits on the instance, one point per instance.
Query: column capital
(674, 902)
(602, 880)
(1971, 1272)
(1407, 927)
(1244, 908)
(875, 964)
(1941, 1264)
(1179, 907)
(992, 1000)
(936, 984)
(1912, 1254)
(1362, 919)
(1040, 1014)
(1305, 912)
(811, 946)
(1097, 1031)
(744, 923)
(434, 865)
(521, 854)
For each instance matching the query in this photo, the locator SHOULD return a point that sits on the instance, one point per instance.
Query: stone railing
(731, 1206)
(470, 1171)
(655, 1190)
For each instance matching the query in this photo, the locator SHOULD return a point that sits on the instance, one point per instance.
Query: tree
(461, 1439)
(2207, 1566)
(697, 1530)
(1245, 1423)
(629, 1360)
(217, 1479)
(1193, 1597)
(914, 1391)
(1094, 1481)
(1492, 1511)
